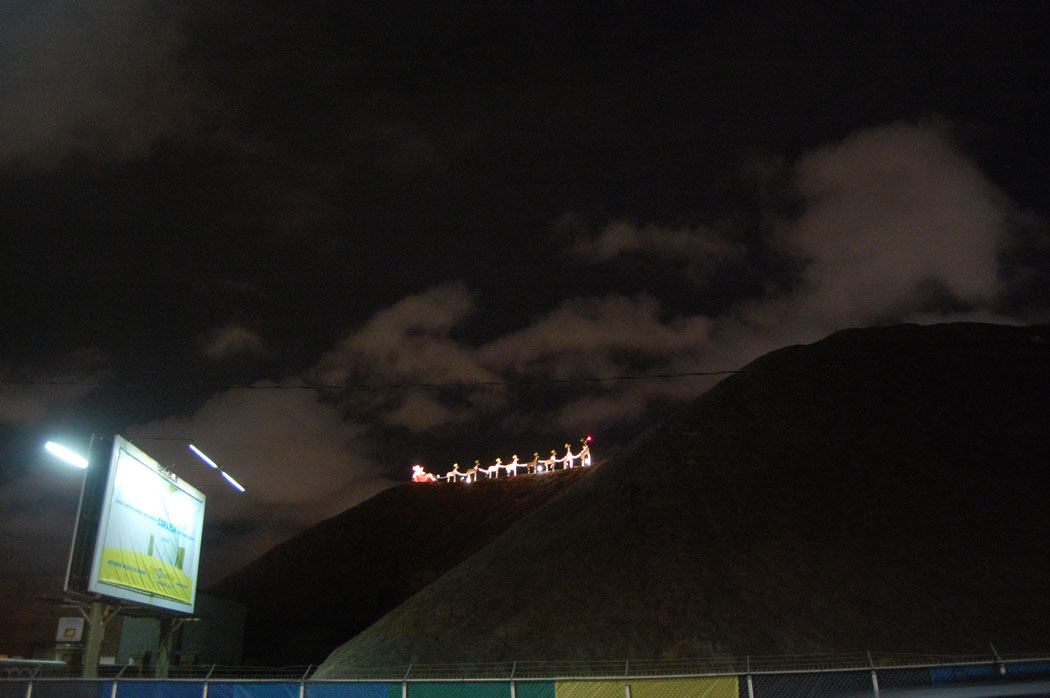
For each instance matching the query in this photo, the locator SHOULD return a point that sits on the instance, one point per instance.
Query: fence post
(999, 660)
(204, 691)
(302, 681)
(29, 686)
(513, 688)
(874, 677)
(113, 693)
(404, 682)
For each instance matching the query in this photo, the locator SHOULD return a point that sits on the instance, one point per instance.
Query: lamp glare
(66, 455)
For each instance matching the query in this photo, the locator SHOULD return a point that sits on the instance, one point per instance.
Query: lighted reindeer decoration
(536, 465)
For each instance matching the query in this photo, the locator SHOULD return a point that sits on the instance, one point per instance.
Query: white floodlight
(231, 480)
(66, 455)
(213, 464)
(203, 457)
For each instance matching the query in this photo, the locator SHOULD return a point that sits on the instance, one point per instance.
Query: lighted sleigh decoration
(421, 475)
(513, 467)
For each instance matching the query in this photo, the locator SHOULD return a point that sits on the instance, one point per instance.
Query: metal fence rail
(882, 675)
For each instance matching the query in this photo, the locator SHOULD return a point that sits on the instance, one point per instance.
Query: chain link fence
(841, 676)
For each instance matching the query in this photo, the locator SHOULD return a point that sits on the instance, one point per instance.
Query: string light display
(537, 466)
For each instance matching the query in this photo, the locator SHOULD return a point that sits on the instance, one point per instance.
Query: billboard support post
(166, 649)
(97, 616)
(96, 629)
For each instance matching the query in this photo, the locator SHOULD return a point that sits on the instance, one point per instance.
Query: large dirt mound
(882, 489)
(307, 595)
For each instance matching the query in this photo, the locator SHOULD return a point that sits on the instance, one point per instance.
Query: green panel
(589, 689)
(721, 687)
(535, 689)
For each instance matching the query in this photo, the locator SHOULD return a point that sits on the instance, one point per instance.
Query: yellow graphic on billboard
(144, 573)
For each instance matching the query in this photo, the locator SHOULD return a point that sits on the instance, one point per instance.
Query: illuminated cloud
(409, 340)
(890, 214)
(420, 409)
(232, 340)
(596, 336)
(697, 249)
(896, 224)
(405, 345)
(283, 443)
(296, 456)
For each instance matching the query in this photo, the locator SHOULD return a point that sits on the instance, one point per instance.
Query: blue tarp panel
(13, 689)
(352, 690)
(160, 689)
(981, 673)
(1028, 669)
(964, 674)
(253, 689)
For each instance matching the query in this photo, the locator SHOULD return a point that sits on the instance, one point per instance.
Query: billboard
(148, 543)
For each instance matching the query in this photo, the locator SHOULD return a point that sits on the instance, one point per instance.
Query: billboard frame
(126, 545)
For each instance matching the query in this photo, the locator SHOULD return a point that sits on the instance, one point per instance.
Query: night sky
(327, 240)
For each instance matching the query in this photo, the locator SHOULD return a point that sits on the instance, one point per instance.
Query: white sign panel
(149, 535)
(70, 629)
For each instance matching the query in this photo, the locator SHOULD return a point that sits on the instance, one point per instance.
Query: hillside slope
(307, 595)
(880, 489)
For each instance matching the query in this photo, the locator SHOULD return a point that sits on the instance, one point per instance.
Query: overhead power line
(362, 385)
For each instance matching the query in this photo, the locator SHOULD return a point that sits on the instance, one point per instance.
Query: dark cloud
(28, 395)
(360, 211)
(41, 507)
(103, 79)
(888, 218)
